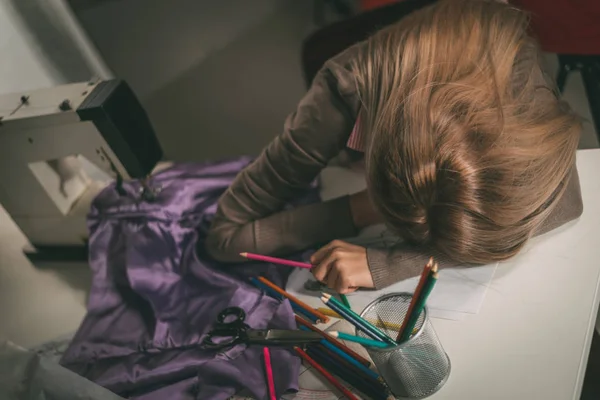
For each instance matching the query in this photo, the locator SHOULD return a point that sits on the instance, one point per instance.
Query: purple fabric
(153, 297)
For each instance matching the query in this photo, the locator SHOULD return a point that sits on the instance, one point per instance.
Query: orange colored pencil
(415, 296)
(326, 374)
(334, 342)
(303, 305)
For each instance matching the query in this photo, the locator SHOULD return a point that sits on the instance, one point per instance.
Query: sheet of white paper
(458, 293)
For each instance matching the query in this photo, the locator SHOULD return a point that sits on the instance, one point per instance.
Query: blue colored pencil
(361, 340)
(297, 309)
(377, 388)
(356, 320)
(376, 392)
(347, 357)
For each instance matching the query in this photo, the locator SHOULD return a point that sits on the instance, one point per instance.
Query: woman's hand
(342, 267)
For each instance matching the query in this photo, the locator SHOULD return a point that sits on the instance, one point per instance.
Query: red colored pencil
(298, 302)
(415, 297)
(276, 260)
(269, 372)
(326, 374)
(334, 342)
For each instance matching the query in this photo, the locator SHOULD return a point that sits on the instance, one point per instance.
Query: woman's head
(469, 148)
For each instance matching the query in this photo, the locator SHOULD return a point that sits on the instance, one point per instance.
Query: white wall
(23, 67)
(43, 45)
(150, 43)
(37, 303)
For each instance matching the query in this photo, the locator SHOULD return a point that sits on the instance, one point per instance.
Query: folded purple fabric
(154, 297)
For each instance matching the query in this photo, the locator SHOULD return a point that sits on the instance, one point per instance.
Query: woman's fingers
(324, 251)
(321, 270)
(333, 278)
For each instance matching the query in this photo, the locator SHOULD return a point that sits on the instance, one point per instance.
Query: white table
(532, 337)
(530, 340)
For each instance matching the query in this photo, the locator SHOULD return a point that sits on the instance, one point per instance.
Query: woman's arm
(389, 266)
(249, 216)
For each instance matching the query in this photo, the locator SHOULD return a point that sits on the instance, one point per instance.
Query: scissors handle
(219, 338)
(229, 330)
(231, 316)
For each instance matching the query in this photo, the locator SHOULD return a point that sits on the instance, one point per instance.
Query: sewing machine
(58, 148)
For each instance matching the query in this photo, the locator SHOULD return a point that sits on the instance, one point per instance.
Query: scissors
(231, 329)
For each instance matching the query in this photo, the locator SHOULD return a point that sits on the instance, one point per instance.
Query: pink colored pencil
(275, 260)
(269, 372)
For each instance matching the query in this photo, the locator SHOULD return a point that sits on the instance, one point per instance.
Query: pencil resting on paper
(360, 340)
(275, 260)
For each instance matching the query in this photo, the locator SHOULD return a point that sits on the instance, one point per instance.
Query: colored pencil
(414, 317)
(372, 389)
(325, 374)
(275, 260)
(329, 312)
(348, 359)
(334, 342)
(293, 299)
(361, 340)
(297, 309)
(269, 372)
(416, 294)
(357, 320)
(378, 323)
(345, 301)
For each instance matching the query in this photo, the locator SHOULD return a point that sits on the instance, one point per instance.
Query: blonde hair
(469, 148)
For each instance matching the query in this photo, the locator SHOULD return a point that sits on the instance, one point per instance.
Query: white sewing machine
(59, 147)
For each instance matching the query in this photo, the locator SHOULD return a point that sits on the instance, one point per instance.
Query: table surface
(532, 337)
(530, 340)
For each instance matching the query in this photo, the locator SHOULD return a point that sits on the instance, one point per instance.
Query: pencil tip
(334, 333)
(326, 295)
(435, 268)
(245, 255)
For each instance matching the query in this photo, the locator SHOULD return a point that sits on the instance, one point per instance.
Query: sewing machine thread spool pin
(148, 192)
(65, 105)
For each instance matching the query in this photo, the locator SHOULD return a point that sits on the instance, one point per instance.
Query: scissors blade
(281, 337)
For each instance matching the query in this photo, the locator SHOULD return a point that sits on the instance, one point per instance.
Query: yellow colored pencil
(379, 324)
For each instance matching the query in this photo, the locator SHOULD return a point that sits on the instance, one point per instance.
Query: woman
(468, 152)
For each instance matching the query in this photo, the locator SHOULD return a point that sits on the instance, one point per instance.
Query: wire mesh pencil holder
(416, 368)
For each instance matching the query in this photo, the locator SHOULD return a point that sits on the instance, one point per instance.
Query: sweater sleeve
(249, 217)
(401, 262)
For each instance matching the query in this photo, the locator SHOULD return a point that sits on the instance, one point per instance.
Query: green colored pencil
(420, 305)
(356, 319)
(361, 340)
(345, 301)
